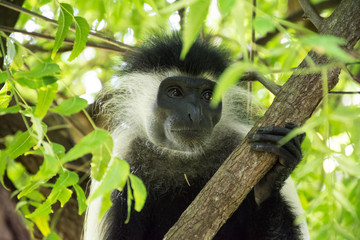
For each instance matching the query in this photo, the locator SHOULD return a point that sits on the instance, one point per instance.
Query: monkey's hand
(289, 155)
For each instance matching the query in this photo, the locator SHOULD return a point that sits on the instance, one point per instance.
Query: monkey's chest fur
(165, 170)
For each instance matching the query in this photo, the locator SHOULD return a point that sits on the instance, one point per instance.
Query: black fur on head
(162, 52)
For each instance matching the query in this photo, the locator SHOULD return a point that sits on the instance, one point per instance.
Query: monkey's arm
(266, 140)
(272, 211)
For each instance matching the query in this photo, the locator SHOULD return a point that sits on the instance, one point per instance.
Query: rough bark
(295, 102)
(12, 227)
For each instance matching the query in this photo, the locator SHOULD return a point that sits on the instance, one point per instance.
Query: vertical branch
(251, 57)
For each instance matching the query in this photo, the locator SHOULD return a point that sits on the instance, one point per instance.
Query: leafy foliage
(57, 80)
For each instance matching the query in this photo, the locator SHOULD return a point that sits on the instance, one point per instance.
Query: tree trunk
(11, 225)
(295, 102)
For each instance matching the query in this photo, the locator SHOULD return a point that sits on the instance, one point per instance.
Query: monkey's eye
(174, 92)
(207, 95)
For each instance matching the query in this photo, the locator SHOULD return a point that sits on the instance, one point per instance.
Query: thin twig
(106, 47)
(341, 92)
(72, 28)
(296, 16)
(269, 85)
(311, 13)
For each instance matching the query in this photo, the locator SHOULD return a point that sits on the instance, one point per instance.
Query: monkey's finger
(286, 156)
(264, 138)
(275, 130)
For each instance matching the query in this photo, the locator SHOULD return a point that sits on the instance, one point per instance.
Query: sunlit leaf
(115, 177)
(225, 6)
(81, 198)
(48, 168)
(12, 109)
(344, 202)
(3, 77)
(106, 203)
(10, 50)
(65, 180)
(30, 187)
(349, 166)
(70, 106)
(86, 145)
(139, 192)
(64, 22)
(230, 77)
(5, 95)
(64, 196)
(194, 20)
(46, 96)
(41, 70)
(3, 162)
(35, 83)
(43, 224)
(101, 158)
(82, 30)
(329, 45)
(263, 25)
(21, 143)
(17, 173)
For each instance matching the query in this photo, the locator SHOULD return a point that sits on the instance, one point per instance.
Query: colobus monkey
(162, 123)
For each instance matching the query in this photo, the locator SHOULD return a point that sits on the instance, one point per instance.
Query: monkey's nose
(195, 115)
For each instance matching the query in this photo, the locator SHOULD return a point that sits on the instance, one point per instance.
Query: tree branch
(296, 16)
(311, 13)
(105, 47)
(72, 28)
(295, 102)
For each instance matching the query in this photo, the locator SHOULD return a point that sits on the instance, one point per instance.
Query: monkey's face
(184, 119)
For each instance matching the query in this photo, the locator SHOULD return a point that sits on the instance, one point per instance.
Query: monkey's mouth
(189, 133)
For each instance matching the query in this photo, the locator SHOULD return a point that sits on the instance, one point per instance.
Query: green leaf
(64, 22)
(17, 173)
(5, 95)
(30, 188)
(53, 236)
(139, 192)
(105, 204)
(263, 25)
(35, 83)
(345, 203)
(10, 50)
(86, 145)
(329, 45)
(101, 158)
(41, 70)
(129, 201)
(42, 222)
(12, 109)
(21, 143)
(82, 30)
(115, 178)
(46, 96)
(70, 106)
(3, 162)
(48, 169)
(4, 76)
(229, 78)
(225, 6)
(65, 180)
(349, 166)
(193, 22)
(81, 198)
(64, 196)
